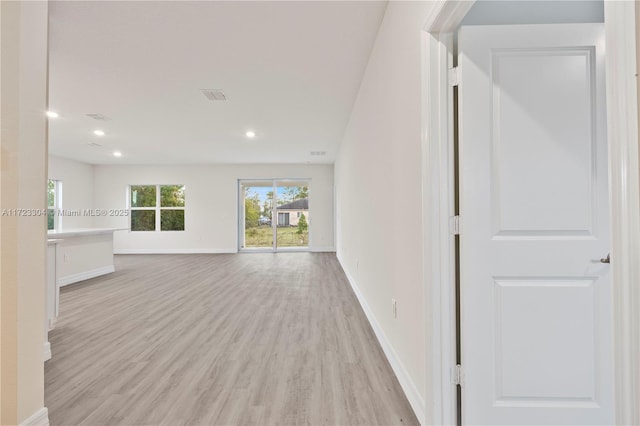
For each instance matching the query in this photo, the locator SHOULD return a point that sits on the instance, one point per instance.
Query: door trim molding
(438, 207)
(437, 191)
(624, 173)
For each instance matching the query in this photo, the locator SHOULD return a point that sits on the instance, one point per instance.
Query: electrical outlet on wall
(394, 307)
(66, 257)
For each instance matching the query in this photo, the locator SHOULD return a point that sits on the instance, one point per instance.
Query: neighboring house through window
(157, 207)
(289, 214)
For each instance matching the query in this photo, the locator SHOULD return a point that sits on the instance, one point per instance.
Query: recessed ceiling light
(52, 114)
(98, 132)
(251, 134)
(214, 94)
(117, 154)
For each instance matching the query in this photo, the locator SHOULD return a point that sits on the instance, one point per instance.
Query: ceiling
(290, 70)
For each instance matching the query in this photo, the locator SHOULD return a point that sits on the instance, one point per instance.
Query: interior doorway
(274, 215)
(438, 42)
(531, 155)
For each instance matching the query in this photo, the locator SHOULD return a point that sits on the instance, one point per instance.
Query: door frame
(438, 197)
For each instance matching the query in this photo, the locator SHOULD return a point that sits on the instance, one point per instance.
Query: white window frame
(158, 208)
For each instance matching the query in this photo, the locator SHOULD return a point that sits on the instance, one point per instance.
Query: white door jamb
(624, 173)
(438, 207)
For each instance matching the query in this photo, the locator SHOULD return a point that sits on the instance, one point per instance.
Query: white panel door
(535, 298)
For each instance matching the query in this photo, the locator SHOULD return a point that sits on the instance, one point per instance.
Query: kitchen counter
(83, 253)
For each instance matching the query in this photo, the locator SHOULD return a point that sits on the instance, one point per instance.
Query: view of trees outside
(145, 206)
(267, 206)
(172, 219)
(143, 220)
(143, 196)
(256, 207)
(252, 211)
(51, 203)
(258, 215)
(303, 226)
(290, 193)
(172, 196)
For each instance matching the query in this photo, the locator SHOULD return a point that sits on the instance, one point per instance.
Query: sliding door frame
(274, 218)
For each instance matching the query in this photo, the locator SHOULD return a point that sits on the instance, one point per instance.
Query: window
(54, 192)
(157, 207)
(143, 208)
(283, 219)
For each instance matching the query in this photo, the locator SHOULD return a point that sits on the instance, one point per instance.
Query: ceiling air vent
(94, 144)
(99, 117)
(214, 94)
(318, 153)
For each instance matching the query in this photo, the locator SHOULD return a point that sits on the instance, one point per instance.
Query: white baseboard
(203, 251)
(323, 249)
(52, 323)
(70, 279)
(174, 251)
(39, 418)
(408, 386)
(47, 351)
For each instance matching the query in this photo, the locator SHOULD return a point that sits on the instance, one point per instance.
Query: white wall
(211, 214)
(23, 159)
(77, 189)
(377, 174)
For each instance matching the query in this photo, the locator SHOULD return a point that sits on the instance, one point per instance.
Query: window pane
(50, 219)
(172, 220)
(293, 212)
(143, 196)
(51, 193)
(143, 220)
(172, 196)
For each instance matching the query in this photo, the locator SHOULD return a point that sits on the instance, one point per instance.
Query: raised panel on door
(534, 331)
(535, 300)
(543, 172)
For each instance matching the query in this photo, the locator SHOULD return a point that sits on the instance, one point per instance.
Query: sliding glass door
(274, 215)
(292, 212)
(256, 205)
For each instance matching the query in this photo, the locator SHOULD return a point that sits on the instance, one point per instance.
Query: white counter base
(83, 254)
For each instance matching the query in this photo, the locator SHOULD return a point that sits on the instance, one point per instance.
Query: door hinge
(454, 225)
(454, 76)
(458, 375)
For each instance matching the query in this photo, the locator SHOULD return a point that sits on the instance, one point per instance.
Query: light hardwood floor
(237, 339)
